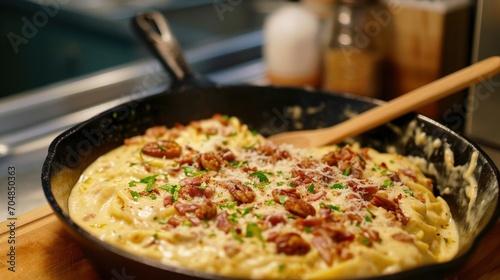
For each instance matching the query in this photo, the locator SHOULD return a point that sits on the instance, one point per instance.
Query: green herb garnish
(262, 177)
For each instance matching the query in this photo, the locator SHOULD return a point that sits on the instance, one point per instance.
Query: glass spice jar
(355, 50)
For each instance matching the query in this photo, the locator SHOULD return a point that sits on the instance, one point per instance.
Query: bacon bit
(211, 131)
(179, 126)
(284, 192)
(381, 200)
(247, 168)
(227, 155)
(364, 153)
(207, 210)
(299, 207)
(356, 173)
(155, 191)
(394, 177)
(221, 118)
(272, 153)
(167, 201)
(185, 160)
(327, 174)
(366, 191)
(271, 237)
(231, 250)
(308, 163)
(147, 167)
(344, 158)
(275, 219)
(330, 240)
(174, 221)
(184, 208)
(301, 178)
(409, 173)
(337, 233)
(316, 196)
(325, 213)
(283, 155)
(195, 221)
(311, 221)
(189, 192)
(371, 236)
(354, 217)
(330, 159)
(88, 217)
(189, 187)
(211, 161)
(324, 246)
(383, 165)
(402, 237)
(223, 222)
(196, 125)
(156, 131)
(291, 244)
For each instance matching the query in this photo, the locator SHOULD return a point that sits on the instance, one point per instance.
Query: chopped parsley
(331, 207)
(368, 219)
(230, 205)
(338, 186)
(347, 171)
(292, 185)
(307, 229)
(283, 198)
(281, 268)
(236, 235)
(135, 195)
(173, 190)
(254, 132)
(311, 188)
(280, 183)
(202, 186)
(262, 177)
(245, 211)
(238, 164)
(190, 172)
(269, 202)
(408, 192)
(254, 231)
(233, 218)
(365, 240)
(388, 183)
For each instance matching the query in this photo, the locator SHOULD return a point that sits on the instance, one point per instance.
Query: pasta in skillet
(216, 197)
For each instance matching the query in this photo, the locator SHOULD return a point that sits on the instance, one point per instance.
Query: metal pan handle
(153, 29)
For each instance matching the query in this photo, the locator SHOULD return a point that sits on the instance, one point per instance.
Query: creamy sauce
(372, 213)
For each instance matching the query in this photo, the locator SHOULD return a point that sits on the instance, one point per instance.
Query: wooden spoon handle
(412, 100)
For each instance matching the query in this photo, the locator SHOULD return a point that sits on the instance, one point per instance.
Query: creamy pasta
(216, 197)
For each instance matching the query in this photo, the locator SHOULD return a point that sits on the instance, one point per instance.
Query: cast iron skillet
(267, 110)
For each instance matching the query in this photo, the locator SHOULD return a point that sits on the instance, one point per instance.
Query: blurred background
(63, 61)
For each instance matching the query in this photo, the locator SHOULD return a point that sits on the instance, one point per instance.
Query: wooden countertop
(44, 250)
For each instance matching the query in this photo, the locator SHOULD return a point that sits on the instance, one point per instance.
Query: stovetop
(226, 52)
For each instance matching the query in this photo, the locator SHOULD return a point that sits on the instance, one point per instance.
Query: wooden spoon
(395, 108)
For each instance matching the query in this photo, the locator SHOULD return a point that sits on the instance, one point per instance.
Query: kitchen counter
(44, 250)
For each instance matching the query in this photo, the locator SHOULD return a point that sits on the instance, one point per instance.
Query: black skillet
(267, 110)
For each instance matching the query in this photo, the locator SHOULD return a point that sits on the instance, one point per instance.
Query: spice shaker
(291, 48)
(356, 47)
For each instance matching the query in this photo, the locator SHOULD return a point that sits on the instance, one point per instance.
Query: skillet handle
(153, 29)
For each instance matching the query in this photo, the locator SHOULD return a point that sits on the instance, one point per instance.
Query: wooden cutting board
(44, 250)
